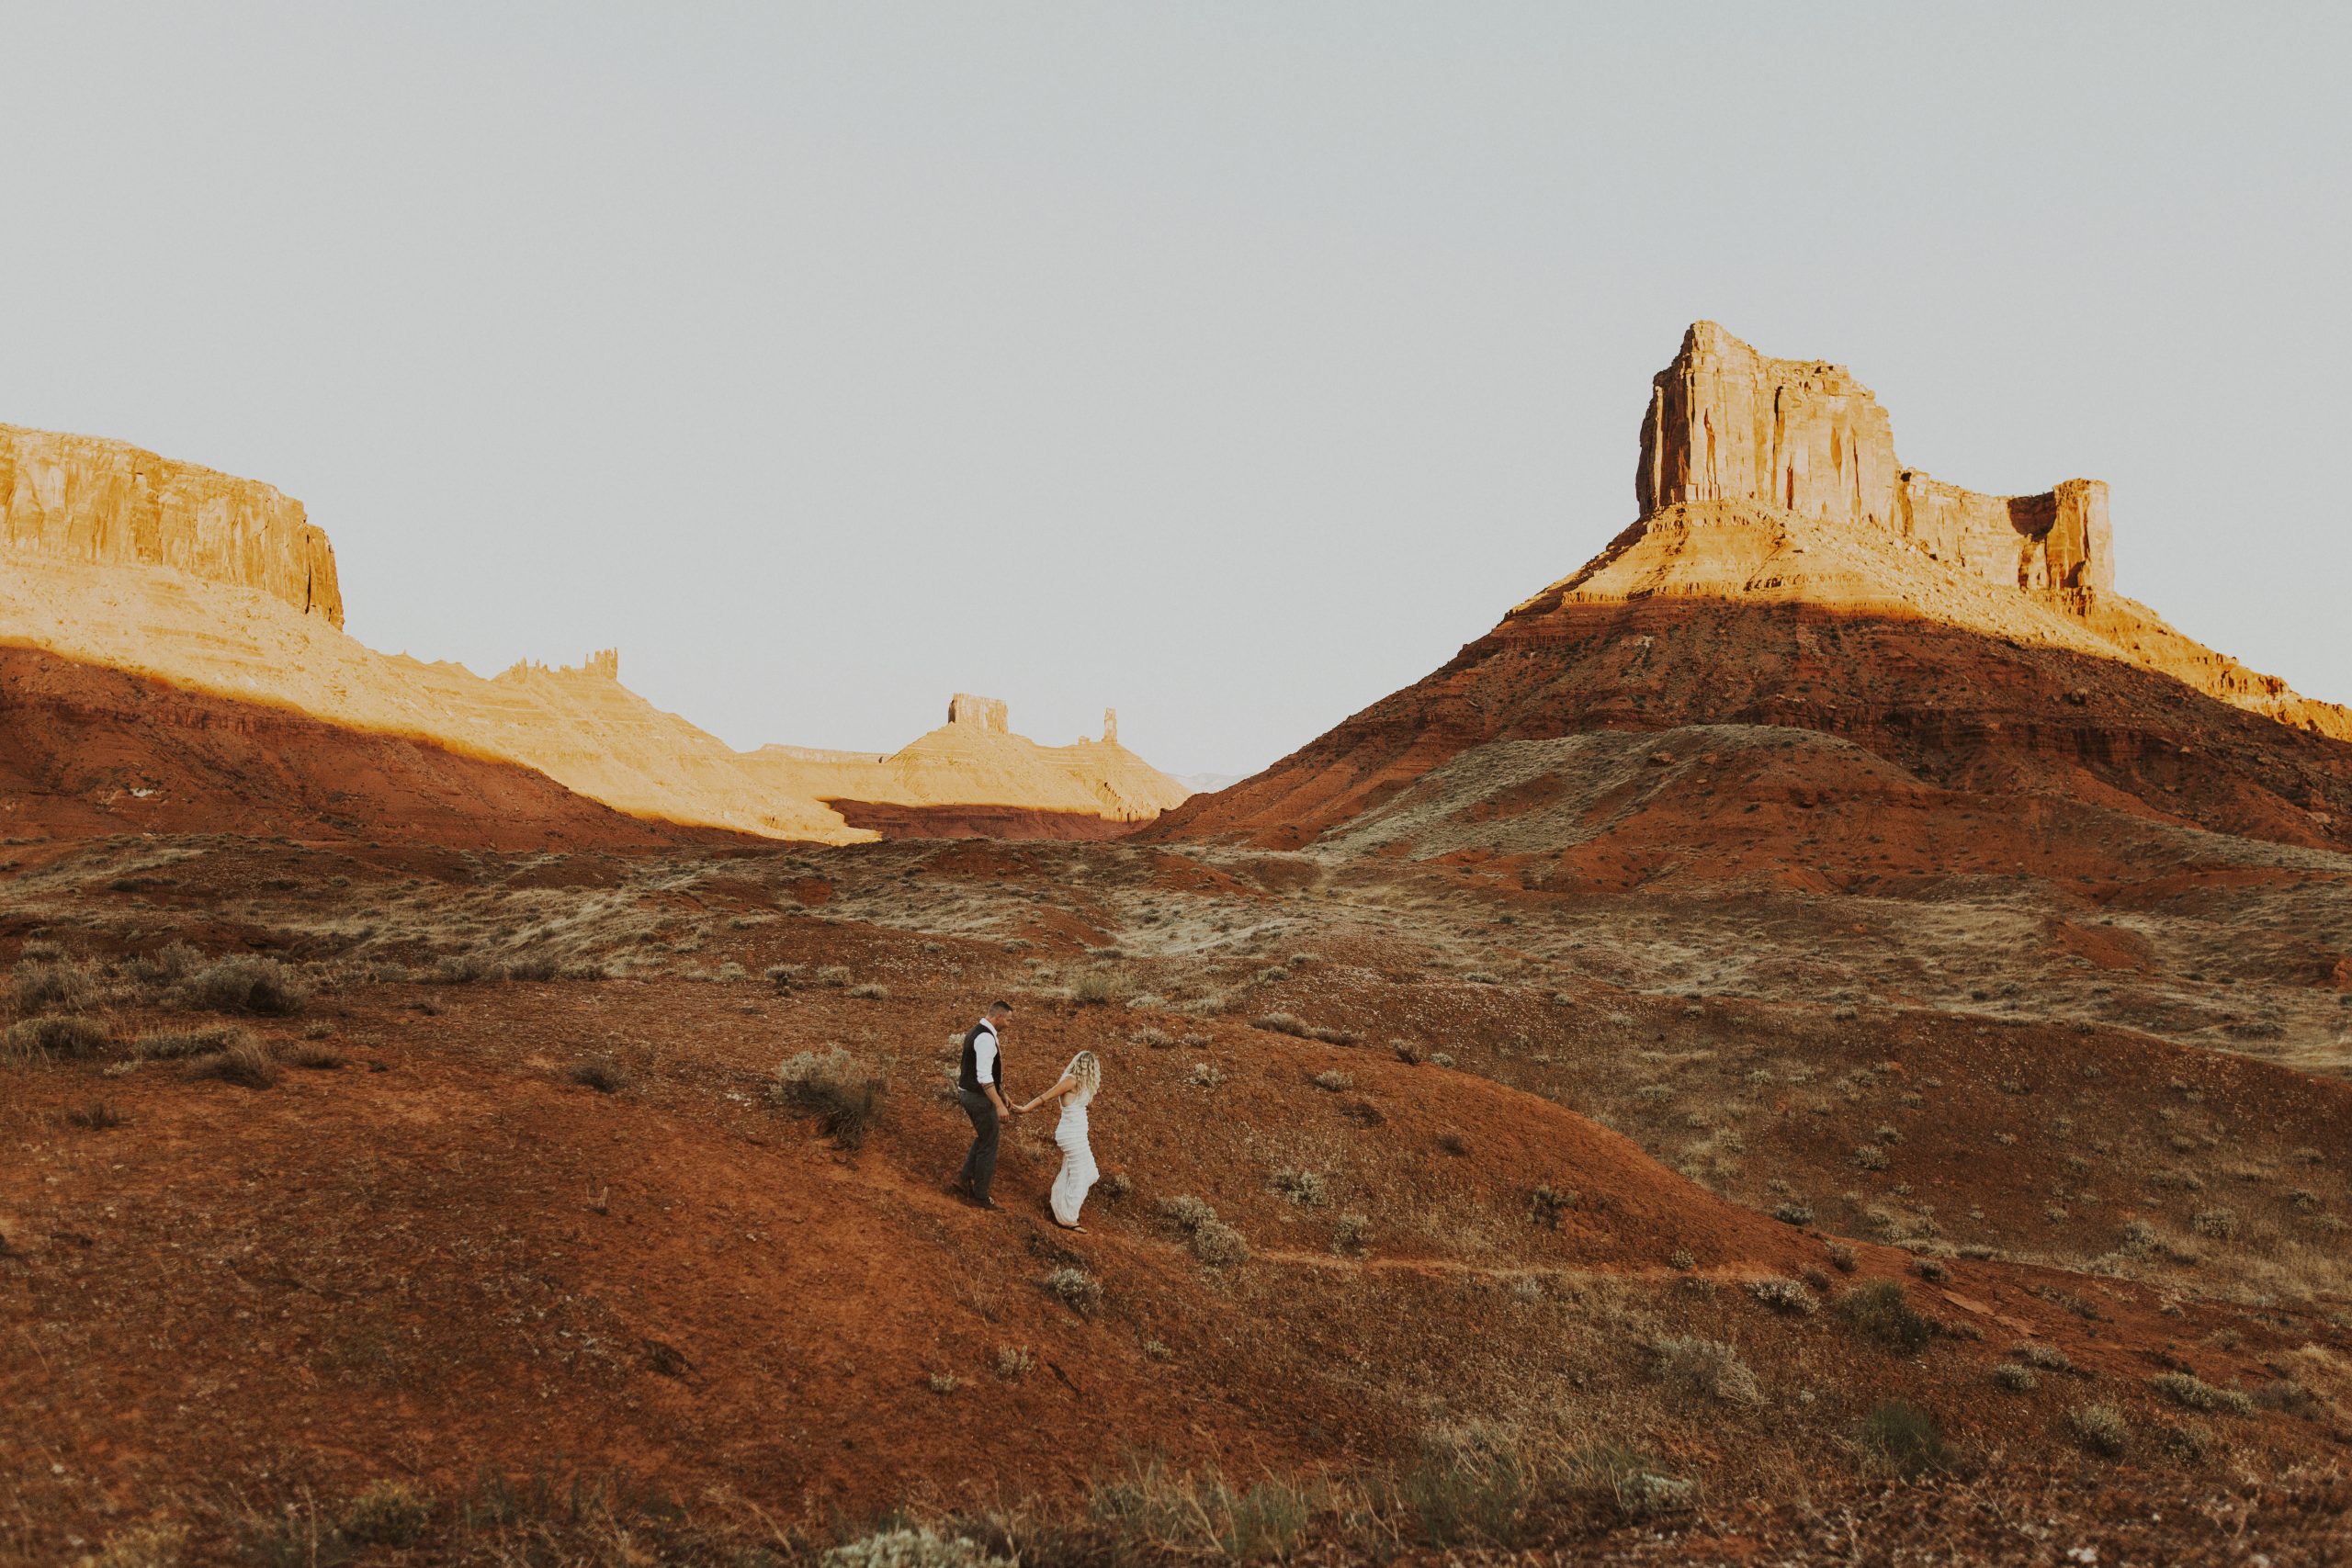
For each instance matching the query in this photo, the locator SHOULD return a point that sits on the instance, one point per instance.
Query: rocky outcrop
(1788, 572)
(978, 713)
(1726, 424)
(81, 498)
(575, 724)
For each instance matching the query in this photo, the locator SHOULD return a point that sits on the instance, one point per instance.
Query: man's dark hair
(1000, 1007)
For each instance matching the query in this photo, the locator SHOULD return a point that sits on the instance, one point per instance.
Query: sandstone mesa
(1787, 570)
(1749, 463)
(122, 559)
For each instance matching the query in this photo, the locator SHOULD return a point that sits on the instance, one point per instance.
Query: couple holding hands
(979, 1085)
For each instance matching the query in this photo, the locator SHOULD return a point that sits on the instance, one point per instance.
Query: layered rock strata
(121, 561)
(77, 497)
(1726, 424)
(1788, 570)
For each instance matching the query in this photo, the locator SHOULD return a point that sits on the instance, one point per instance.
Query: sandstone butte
(1786, 567)
(122, 559)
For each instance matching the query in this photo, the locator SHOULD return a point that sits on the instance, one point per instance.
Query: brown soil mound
(86, 749)
(1950, 706)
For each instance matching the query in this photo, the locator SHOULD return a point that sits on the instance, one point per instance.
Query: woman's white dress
(1078, 1172)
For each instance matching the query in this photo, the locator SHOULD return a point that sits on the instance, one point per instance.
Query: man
(979, 1086)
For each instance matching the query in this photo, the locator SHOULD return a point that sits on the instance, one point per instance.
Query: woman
(1076, 1090)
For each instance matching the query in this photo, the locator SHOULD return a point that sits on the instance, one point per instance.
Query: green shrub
(1281, 1024)
(1305, 1188)
(1793, 1213)
(1212, 1241)
(1633, 1484)
(1075, 1288)
(604, 1078)
(1904, 1439)
(1159, 1515)
(1351, 1233)
(1097, 988)
(1785, 1296)
(1548, 1205)
(2191, 1392)
(388, 1513)
(1471, 1485)
(2015, 1378)
(55, 984)
(1880, 1310)
(2192, 1442)
(2101, 1428)
(55, 1037)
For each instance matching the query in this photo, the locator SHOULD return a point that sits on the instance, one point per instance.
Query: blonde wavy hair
(1088, 1070)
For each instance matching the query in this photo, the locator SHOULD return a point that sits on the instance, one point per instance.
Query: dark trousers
(980, 1166)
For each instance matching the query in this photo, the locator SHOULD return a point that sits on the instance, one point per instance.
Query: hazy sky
(1233, 364)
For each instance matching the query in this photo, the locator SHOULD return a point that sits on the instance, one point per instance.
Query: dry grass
(604, 1078)
(836, 1087)
(246, 1062)
(246, 984)
(1696, 1368)
(52, 1035)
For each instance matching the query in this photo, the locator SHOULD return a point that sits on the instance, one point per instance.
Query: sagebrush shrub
(388, 1513)
(1784, 1296)
(1212, 1241)
(604, 1078)
(2192, 1393)
(1305, 1188)
(250, 984)
(1904, 1439)
(1075, 1288)
(1095, 989)
(172, 1044)
(2049, 1357)
(1880, 1310)
(913, 1547)
(1690, 1365)
(56, 1034)
(2101, 1428)
(246, 1062)
(835, 1087)
(58, 985)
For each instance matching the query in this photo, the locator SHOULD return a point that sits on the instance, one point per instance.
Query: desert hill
(498, 1241)
(118, 560)
(1788, 570)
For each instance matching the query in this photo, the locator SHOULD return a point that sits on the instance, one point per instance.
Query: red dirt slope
(87, 750)
(1958, 708)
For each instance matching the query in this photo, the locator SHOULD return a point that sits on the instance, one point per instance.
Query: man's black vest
(970, 1080)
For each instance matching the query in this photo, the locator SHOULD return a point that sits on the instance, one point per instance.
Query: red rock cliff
(83, 499)
(1725, 422)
